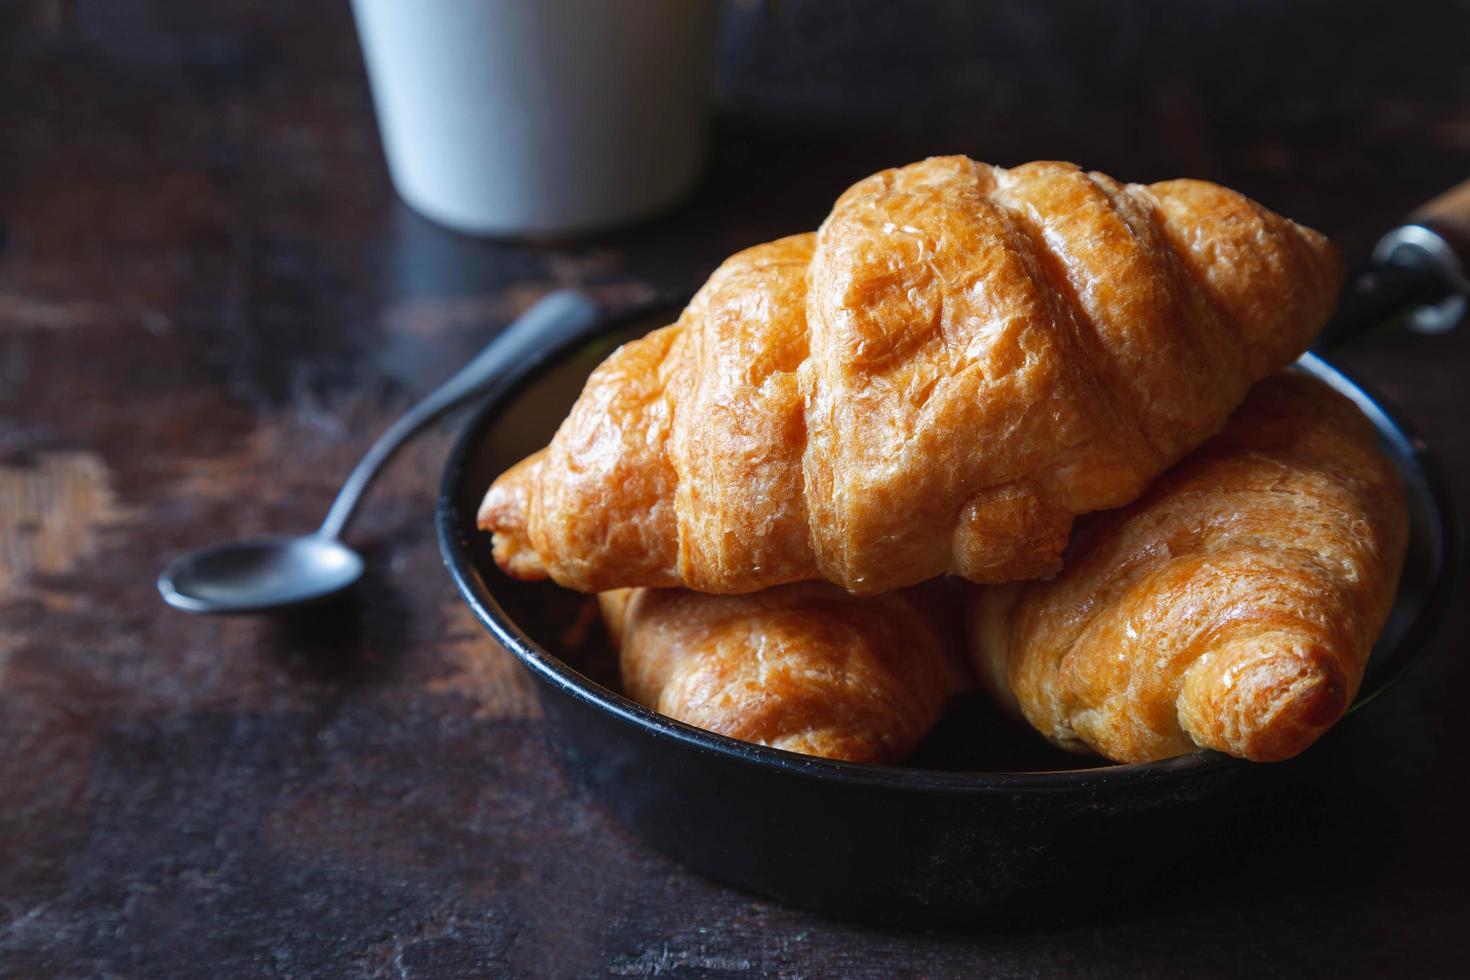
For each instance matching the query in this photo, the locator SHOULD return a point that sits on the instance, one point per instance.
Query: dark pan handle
(1416, 276)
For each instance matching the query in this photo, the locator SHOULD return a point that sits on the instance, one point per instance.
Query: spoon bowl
(259, 573)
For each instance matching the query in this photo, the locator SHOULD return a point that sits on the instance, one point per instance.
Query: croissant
(959, 362)
(804, 667)
(1232, 607)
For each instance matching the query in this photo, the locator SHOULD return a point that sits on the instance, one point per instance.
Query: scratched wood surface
(210, 301)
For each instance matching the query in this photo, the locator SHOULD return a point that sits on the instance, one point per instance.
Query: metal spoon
(267, 573)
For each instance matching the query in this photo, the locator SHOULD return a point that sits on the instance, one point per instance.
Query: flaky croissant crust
(804, 667)
(1232, 607)
(959, 362)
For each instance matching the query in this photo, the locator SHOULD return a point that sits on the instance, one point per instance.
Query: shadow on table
(356, 637)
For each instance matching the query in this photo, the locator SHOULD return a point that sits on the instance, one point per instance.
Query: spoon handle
(556, 319)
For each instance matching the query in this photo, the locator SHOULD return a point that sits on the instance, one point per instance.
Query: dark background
(211, 301)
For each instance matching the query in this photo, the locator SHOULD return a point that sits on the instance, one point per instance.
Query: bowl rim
(552, 670)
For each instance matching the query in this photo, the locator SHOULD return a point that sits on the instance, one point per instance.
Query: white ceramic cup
(539, 117)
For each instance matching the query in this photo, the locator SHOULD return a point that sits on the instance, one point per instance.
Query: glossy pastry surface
(1232, 607)
(805, 667)
(958, 363)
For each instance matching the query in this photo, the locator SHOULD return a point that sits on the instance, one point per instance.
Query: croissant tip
(517, 558)
(492, 514)
(1280, 704)
(1300, 719)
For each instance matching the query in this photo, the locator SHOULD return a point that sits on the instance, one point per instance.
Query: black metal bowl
(987, 822)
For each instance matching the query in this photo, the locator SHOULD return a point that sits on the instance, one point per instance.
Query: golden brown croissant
(959, 362)
(1232, 607)
(804, 667)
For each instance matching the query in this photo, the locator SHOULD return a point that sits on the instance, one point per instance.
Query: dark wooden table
(210, 301)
